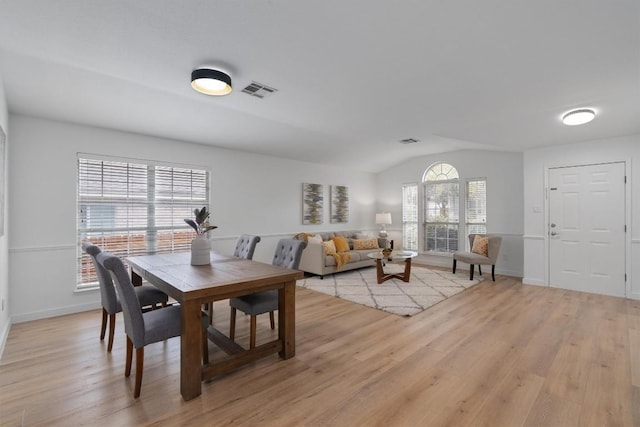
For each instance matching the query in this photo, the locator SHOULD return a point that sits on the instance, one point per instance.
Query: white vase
(200, 251)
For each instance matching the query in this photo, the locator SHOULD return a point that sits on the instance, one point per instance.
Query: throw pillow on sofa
(365, 244)
(316, 238)
(329, 247)
(341, 244)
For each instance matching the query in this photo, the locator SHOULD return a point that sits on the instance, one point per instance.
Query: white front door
(587, 228)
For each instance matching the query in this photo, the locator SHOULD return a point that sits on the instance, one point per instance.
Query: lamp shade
(211, 82)
(383, 218)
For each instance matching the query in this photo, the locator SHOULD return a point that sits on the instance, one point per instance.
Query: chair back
(108, 296)
(133, 320)
(246, 246)
(494, 245)
(288, 253)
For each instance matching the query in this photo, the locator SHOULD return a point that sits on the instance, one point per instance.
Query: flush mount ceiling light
(578, 117)
(210, 81)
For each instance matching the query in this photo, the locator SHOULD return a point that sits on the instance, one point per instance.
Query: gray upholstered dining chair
(149, 296)
(245, 247)
(287, 254)
(473, 258)
(148, 327)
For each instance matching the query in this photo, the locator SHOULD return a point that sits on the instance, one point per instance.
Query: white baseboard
(536, 282)
(61, 311)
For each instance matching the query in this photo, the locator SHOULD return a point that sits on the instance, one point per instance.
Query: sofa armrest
(312, 260)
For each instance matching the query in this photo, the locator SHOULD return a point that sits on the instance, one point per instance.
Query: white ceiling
(353, 77)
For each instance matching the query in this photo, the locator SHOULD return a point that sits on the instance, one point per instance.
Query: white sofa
(315, 261)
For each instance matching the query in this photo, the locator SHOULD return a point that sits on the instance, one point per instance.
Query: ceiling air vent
(408, 141)
(259, 90)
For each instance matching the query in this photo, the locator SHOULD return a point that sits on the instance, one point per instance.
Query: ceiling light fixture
(578, 117)
(211, 82)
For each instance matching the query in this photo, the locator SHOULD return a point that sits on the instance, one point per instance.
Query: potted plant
(200, 246)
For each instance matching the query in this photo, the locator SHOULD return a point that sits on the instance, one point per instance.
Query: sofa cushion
(326, 236)
(354, 256)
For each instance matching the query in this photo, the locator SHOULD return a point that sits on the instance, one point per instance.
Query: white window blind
(135, 208)
(410, 217)
(441, 208)
(476, 206)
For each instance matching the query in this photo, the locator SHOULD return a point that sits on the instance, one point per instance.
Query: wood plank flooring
(498, 354)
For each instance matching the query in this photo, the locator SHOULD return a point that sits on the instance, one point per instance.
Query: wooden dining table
(223, 278)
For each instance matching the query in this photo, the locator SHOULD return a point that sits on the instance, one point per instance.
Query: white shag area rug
(425, 288)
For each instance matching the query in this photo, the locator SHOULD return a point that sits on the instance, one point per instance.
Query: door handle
(553, 233)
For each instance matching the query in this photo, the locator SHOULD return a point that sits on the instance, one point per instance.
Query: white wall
(537, 162)
(503, 171)
(250, 194)
(4, 239)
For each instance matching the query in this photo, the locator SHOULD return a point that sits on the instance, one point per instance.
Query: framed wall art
(339, 204)
(312, 203)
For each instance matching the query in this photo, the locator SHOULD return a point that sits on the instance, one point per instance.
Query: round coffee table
(394, 255)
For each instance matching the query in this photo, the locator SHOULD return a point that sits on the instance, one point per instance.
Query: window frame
(453, 244)
(407, 224)
(132, 205)
(475, 227)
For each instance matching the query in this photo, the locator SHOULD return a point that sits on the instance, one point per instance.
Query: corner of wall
(5, 320)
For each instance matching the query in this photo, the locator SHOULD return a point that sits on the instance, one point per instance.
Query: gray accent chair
(477, 259)
(149, 296)
(144, 328)
(287, 254)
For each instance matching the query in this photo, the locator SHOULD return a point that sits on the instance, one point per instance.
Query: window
(441, 208)
(476, 206)
(410, 217)
(135, 208)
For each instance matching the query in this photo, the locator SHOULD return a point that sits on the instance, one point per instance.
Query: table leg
(287, 319)
(190, 350)
(136, 279)
(407, 270)
(379, 271)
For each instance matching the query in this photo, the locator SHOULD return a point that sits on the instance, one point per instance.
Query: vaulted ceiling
(353, 77)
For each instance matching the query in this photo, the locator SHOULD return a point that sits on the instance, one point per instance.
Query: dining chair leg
(139, 368)
(455, 262)
(103, 328)
(127, 365)
(210, 307)
(272, 320)
(470, 271)
(493, 272)
(112, 331)
(480, 269)
(232, 324)
(252, 334)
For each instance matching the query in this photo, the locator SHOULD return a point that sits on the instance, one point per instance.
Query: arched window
(441, 208)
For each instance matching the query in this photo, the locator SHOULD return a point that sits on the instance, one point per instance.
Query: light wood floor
(498, 354)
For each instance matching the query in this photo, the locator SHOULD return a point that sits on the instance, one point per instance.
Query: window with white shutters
(441, 208)
(410, 217)
(476, 206)
(135, 207)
